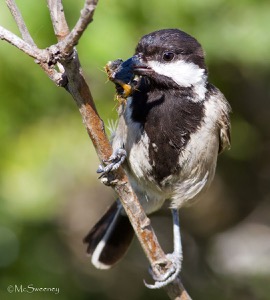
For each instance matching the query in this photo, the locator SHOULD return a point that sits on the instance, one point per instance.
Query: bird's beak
(139, 66)
(123, 73)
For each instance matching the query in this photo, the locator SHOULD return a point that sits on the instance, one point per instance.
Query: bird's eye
(168, 56)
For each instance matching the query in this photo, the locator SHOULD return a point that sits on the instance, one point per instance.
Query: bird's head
(170, 57)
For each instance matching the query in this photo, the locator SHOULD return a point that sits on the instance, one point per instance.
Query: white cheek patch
(183, 73)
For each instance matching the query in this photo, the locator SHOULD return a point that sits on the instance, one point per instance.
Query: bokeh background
(49, 192)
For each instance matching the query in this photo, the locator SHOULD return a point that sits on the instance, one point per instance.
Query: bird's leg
(175, 258)
(113, 163)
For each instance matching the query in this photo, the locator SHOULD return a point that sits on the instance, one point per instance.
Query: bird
(169, 134)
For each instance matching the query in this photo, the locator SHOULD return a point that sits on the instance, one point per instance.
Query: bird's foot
(170, 275)
(113, 163)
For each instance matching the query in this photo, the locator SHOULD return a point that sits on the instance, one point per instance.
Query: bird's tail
(108, 241)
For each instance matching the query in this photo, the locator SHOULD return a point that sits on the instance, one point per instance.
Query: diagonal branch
(66, 38)
(14, 40)
(176, 290)
(20, 22)
(42, 57)
(85, 19)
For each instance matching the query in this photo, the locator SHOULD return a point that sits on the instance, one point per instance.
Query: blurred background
(49, 192)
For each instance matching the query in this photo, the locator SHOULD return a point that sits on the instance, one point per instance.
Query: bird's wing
(224, 125)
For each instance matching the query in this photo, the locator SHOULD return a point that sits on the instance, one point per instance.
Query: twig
(71, 77)
(85, 19)
(14, 40)
(20, 22)
(27, 44)
(70, 39)
(58, 18)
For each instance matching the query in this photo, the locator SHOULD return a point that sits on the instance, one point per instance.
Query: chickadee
(169, 134)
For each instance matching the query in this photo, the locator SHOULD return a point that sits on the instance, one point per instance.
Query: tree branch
(20, 22)
(176, 290)
(14, 40)
(58, 18)
(41, 56)
(71, 77)
(85, 19)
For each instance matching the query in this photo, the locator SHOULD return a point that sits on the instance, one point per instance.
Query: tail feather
(108, 241)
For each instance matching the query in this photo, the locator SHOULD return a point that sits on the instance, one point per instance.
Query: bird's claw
(113, 163)
(169, 276)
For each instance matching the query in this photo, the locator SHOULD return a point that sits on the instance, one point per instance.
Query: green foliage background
(49, 192)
